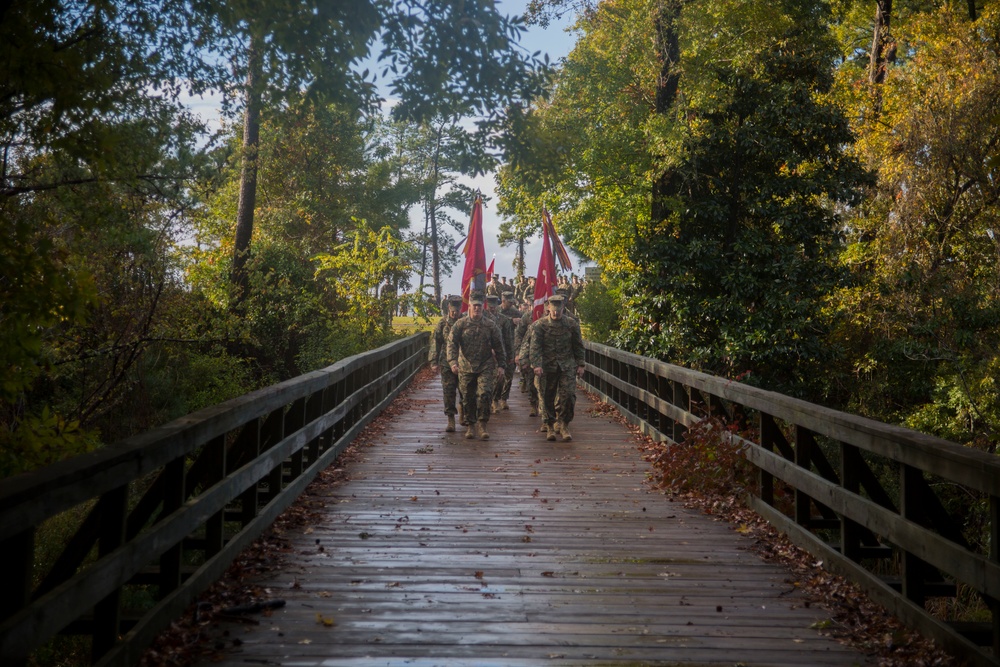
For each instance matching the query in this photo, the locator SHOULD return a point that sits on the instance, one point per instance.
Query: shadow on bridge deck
(516, 551)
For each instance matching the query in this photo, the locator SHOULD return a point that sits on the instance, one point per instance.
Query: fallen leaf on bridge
(325, 621)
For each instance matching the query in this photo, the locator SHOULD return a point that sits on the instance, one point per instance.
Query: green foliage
(39, 440)
(600, 311)
(582, 152)
(737, 273)
(361, 271)
(919, 320)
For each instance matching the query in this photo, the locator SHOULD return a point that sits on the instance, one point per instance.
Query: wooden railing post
(682, 401)
(993, 603)
(768, 440)
(107, 612)
(249, 498)
(804, 445)
(215, 451)
(912, 569)
(173, 498)
(850, 475)
(271, 434)
(294, 420)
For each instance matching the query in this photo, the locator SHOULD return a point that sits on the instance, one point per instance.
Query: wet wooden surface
(518, 551)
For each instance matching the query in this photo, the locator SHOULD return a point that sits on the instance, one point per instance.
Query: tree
(742, 264)
(446, 59)
(919, 318)
(438, 149)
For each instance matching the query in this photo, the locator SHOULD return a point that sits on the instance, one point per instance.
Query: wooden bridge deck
(516, 551)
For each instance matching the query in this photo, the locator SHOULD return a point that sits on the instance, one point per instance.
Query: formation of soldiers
(523, 289)
(478, 352)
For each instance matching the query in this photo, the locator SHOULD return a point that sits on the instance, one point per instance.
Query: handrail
(168, 510)
(832, 466)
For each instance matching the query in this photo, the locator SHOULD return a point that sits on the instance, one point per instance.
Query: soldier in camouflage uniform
(474, 346)
(520, 332)
(506, 327)
(508, 308)
(493, 287)
(557, 358)
(438, 356)
(522, 340)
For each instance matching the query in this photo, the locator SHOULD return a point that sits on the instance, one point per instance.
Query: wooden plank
(445, 551)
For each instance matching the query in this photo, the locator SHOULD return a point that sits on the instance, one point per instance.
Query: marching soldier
(508, 309)
(439, 357)
(523, 342)
(506, 326)
(557, 358)
(474, 346)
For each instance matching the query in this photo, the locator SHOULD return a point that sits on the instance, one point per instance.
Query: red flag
(545, 281)
(489, 269)
(557, 245)
(474, 273)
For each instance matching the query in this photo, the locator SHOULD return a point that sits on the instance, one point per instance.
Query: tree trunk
(972, 10)
(423, 249)
(435, 252)
(883, 45)
(520, 258)
(248, 176)
(668, 53)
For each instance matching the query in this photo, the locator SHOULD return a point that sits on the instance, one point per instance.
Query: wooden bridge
(514, 551)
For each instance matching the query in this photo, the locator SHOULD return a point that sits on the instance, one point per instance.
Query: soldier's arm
(535, 351)
(454, 340)
(579, 352)
(436, 344)
(498, 349)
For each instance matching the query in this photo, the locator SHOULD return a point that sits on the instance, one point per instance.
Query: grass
(411, 325)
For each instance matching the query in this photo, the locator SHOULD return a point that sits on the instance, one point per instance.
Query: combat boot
(483, 433)
(562, 430)
(503, 404)
(494, 407)
(451, 424)
(550, 433)
(534, 411)
(470, 433)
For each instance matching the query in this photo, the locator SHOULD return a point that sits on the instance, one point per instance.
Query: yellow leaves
(325, 621)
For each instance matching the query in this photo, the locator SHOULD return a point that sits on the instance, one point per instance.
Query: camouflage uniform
(512, 314)
(506, 327)
(493, 288)
(439, 356)
(474, 346)
(523, 342)
(520, 331)
(557, 348)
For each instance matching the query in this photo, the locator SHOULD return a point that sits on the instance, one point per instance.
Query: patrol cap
(493, 298)
(557, 299)
(455, 299)
(476, 297)
(508, 295)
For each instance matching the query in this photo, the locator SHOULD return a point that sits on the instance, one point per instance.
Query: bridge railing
(158, 517)
(869, 499)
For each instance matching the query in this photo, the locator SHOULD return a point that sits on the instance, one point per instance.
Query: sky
(554, 40)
